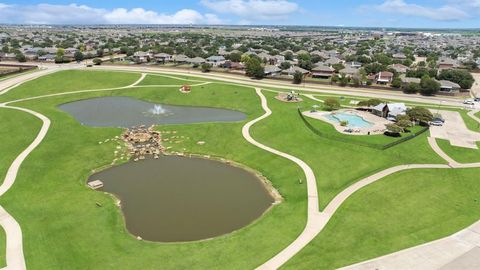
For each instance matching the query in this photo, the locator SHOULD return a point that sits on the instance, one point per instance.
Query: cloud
(82, 14)
(253, 9)
(448, 12)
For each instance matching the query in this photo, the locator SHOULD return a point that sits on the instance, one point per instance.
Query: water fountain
(157, 110)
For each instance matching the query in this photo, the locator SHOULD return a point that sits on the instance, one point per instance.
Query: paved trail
(316, 220)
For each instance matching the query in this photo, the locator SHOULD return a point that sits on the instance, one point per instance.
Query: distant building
(216, 60)
(390, 109)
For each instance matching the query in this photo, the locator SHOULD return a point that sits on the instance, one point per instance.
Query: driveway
(455, 131)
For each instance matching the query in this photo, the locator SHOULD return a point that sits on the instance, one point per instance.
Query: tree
(78, 56)
(253, 68)
(20, 57)
(343, 80)
(397, 82)
(235, 57)
(394, 129)
(411, 88)
(297, 77)
(370, 103)
(334, 78)
(331, 104)
(429, 86)
(420, 114)
(462, 77)
(338, 67)
(285, 65)
(404, 123)
(355, 82)
(305, 64)
(97, 61)
(206, 67)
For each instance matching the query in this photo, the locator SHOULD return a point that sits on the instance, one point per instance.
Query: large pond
(128, 112)
(176, 199)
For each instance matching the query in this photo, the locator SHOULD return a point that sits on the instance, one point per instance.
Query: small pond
(177, 199)
(128, 112)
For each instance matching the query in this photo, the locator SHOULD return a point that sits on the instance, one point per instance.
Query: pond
(127, 112)
(179, 199)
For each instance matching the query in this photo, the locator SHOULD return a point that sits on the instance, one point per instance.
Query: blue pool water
(354, 121)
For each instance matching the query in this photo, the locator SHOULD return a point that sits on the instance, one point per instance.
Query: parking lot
(455, 130)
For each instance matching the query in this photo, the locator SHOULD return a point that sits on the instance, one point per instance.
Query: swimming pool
(354, 121)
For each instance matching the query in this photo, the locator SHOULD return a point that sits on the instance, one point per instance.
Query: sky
(358, 13)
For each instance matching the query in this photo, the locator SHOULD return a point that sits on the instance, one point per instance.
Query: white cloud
(253, 9)
(81, 14)
(446, 12)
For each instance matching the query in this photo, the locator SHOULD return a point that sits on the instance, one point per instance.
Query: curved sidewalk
(13, 232)
(316, 220)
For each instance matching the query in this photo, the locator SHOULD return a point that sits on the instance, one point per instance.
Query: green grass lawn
(403, 210)
(67, 230)
(336, 164)
(460, 154)
(14, 138)
(70, 80)
(166, 80)
(469, 121)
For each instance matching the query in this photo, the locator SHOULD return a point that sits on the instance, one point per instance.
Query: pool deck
(378, 126)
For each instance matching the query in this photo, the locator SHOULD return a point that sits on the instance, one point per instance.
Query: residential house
(180, 58)
(272, 71)
(350, 72)
(389, 109)
(399, 56)
(384, 77)
(333, 61)
(406, 80)
(322, 71)
(446, 63)
(399, 68)
(196, 61)
(216, 60)
(354, 64)
(448, 86)
(294, 69)
(141, 57)
(162, 57)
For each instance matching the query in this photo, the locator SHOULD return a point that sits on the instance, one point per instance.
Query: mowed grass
(336, 164)
(403, 210)
(152, 79)
(70, 80)
(471, 123)
(460, 154)
(67, 230)
(14, 137)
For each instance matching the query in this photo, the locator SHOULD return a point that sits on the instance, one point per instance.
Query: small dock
(96, 184)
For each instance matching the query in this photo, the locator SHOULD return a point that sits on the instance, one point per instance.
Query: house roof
(216, 58)
(323, 68)
(449, 84)
(271, 69)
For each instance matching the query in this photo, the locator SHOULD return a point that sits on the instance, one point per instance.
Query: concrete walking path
(457, 251)
(316, 220)
(13, 232)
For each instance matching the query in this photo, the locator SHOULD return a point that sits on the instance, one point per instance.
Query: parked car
(469, 102)
(436, 123)
(391, 118)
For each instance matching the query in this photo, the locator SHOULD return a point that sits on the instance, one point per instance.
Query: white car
(436, 123)
(469, 102)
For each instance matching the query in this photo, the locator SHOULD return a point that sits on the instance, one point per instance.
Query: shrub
(462, 77)
(331, 104)
(297, 77)
(411, 88)
(97, 61)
